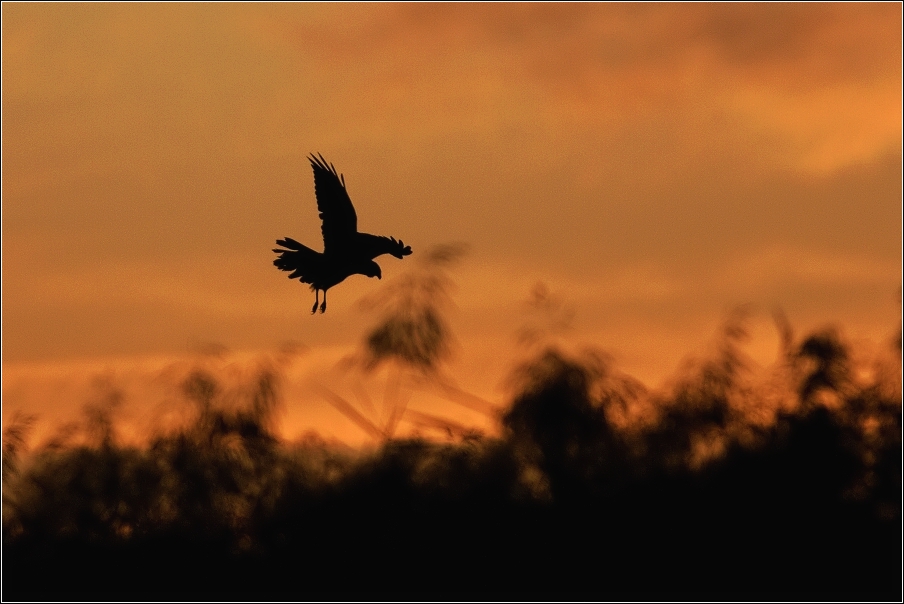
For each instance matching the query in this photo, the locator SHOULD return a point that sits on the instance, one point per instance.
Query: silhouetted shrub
(596, 488)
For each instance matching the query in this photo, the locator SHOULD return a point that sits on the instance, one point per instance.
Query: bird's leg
(317, 300)
(323, 306)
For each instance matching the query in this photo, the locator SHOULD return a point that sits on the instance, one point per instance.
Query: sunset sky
(653, 165)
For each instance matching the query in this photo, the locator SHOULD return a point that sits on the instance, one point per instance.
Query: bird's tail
(298, 258)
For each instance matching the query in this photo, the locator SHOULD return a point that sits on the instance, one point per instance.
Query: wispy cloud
(628, 154)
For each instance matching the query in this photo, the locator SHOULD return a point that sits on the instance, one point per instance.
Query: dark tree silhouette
(568, 502)
(346, 252)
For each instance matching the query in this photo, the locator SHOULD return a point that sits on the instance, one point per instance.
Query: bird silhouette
(346, 252)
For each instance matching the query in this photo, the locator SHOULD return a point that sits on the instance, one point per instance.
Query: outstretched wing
(337, 214)
(371, 246)
(304, 262)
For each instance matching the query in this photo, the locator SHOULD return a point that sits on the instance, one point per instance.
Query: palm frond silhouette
(346, 252)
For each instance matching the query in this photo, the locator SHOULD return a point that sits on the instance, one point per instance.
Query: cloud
(807, 266)
(822, 80)
(153, 153)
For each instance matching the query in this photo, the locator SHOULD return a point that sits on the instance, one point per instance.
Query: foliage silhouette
(411, 340)
(346, 252)
(596, 488)
(412, 328)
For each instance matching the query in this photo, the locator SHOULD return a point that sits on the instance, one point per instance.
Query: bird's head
(372, 269)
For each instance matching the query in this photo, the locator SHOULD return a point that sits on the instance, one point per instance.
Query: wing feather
(371, 246)
(303, 262)
(339, 223)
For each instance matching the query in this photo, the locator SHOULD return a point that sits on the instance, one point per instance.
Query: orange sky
(654, 165)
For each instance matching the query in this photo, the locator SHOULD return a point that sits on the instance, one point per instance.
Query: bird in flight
(346, 252)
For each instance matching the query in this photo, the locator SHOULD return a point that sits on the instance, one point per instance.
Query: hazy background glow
(654, 165)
